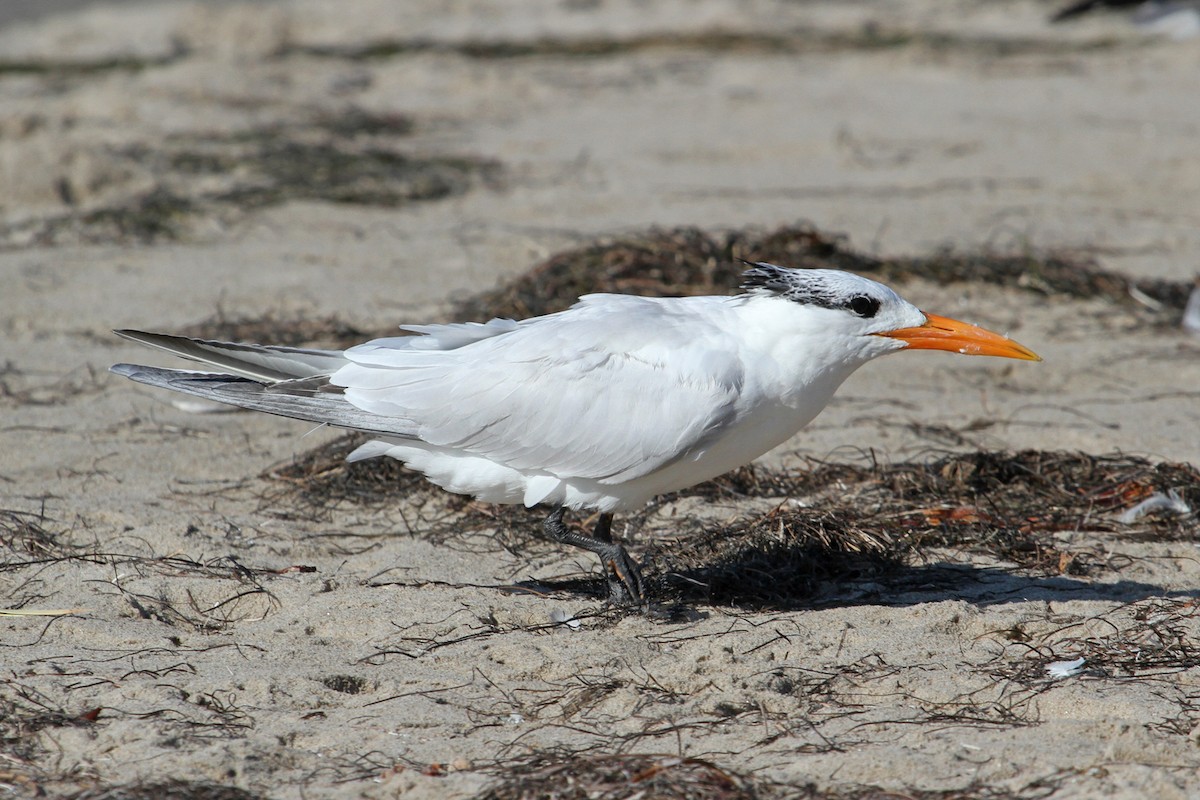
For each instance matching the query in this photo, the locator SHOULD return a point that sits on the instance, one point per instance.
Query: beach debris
(563, 617)
(688, 260)
(1065, 669)
(1175, 19)
(606, 777)
(1141, 297)
(1191, 312)
(868, 520)
(1158, 503)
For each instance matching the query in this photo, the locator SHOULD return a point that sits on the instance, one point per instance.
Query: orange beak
(943, 333)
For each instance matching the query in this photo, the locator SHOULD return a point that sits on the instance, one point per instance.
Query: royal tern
(602, 406)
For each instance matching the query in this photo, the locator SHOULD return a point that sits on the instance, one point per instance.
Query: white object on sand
(1065, 669)
(561, 616)
(1157, 503)
(602, 406)
(1191, 312)
(1178, 20)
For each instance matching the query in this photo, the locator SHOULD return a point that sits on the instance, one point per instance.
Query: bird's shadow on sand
(676, 593)
(983, 586)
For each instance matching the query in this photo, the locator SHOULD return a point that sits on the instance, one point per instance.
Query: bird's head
(866, 319)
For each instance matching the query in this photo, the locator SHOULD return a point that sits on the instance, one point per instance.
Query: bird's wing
(256, 361)
(612, 389)
(290, 381)
(296, 399)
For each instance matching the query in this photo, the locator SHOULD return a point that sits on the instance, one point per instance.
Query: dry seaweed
(687, 261)
(26, 533)
(29, 539)
(24, 713)
(17, 388)
(846, 522)
(773, 560)
(795, 40)
(581, 776)
(73, 68)
(946, 501)
(353, 158)
(617, 777)
(873, 519)
(661, 263)
(346, 684)
(975, 791)
(175, 788)
(1148, 638)
(321, 480)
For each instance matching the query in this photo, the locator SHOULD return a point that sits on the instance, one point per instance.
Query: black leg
(603, 530)
(624, 578)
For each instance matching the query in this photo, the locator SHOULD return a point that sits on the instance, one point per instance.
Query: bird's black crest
(800, 286)
(813, 287)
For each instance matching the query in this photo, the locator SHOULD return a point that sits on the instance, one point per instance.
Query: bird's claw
(625, 585)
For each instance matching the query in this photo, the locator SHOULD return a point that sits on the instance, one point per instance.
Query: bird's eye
(863, 306)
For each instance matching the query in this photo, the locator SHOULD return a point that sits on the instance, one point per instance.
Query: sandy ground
(133, 141)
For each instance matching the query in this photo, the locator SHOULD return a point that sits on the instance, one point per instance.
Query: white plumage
(602, 406)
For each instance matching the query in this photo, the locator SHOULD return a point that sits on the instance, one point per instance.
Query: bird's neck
(799, 364)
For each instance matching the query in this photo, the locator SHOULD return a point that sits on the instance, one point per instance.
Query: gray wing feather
(324, 407)
(257, 361)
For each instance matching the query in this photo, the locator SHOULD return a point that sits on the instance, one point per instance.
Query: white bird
(602, 406)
